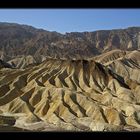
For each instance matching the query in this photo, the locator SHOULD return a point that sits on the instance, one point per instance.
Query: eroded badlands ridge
(75, 94)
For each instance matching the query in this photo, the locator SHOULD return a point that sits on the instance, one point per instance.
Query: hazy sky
(69, 20)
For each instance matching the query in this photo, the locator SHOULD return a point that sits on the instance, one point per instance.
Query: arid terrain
(86, 81)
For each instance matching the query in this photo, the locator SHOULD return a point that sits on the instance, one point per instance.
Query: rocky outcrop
(4, 120)
(4, 65)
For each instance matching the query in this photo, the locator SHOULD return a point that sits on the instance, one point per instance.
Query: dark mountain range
(22, 40)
